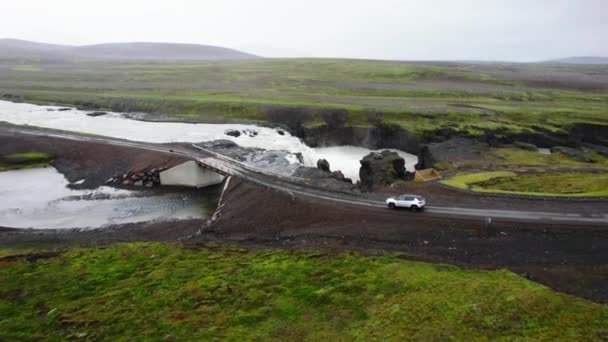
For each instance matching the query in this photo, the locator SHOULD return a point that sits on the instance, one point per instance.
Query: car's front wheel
(414, 208)
(391, 205)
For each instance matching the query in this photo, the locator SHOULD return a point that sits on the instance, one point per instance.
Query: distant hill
(581, 60)
(120, 51)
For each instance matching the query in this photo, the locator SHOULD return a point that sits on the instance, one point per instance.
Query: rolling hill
(14, 48)
(581, 60)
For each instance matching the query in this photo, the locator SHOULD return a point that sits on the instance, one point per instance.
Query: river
(118, 125)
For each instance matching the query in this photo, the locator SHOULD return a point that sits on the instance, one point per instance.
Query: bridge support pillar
(190, 174)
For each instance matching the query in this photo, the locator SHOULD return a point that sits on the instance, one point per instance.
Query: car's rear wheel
(414, 208)
(391, 205)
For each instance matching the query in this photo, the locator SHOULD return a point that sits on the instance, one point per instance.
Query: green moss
(24, 160)
(466, 181)
(572, 184)
(575, 184)
(407, 93)
(162, 291)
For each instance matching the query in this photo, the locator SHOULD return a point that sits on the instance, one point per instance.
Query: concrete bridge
(195, 173)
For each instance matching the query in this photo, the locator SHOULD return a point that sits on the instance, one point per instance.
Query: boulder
(340, 176)
(95, 114)
(571, 152)
(232, 133)
(381, 169)
(323, 164)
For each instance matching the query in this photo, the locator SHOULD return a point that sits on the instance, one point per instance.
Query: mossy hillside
(417, 96)
(163, 291)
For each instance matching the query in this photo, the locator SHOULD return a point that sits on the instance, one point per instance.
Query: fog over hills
(581, 60)
(120, 51)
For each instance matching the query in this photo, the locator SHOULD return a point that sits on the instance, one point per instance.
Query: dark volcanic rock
(525, 146)
(379, 169)
(323, 164)
(599, 149)
(378, 137)
(334, 181)
(95, 114)
(425, 159)
(571, 152)
(589, 133)
(233, 133)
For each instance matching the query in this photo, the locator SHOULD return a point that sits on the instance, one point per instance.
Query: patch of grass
(24, 160)
(466, 181)
(522, 157)
(574, 184)
(163, 291)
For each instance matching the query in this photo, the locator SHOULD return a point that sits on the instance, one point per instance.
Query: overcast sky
(518, 30)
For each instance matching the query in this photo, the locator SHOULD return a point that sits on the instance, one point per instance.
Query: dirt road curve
(297, 188)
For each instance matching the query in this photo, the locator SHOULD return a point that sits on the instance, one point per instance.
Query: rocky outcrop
(148, 178)
(333, 181)
(571, 152)
(381, 169)
(425, 159)
(96, 114)
(373, 138)
(589, 133)
(525, 146)
(323, 164)
(599, 149)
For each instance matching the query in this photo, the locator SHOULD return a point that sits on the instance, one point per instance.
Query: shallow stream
(40, 198)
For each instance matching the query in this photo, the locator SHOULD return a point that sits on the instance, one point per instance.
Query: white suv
(414, 202)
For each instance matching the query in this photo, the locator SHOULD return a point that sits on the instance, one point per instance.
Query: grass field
(168, 292)
(24, 160)
(570, 184)
(417, 96)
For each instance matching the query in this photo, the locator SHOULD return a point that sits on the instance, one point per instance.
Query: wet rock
(95, 114)
(232, 133)
(325, 180)
(276, 161)
(64, 109)
(139, 183)
(425, 159)
(323, 164)
(281, 132)
(250, 132)
(300, 157)
(571, 152)
(381, 169)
